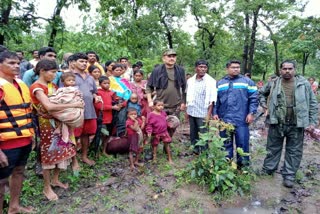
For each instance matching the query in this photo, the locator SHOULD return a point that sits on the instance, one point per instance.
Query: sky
(73, 17)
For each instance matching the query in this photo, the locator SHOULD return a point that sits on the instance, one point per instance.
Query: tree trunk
(304, 62)
(56, 21)
(264, 73)
(253, 39)
(168, 32)
(275, 45)
(276, 53)
(246, 45)
(5, 13)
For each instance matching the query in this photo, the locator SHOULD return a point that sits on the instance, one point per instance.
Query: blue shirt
(135, 106)
(30, 77)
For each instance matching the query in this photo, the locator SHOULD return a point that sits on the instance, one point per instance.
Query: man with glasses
(29, 76)
(236, 104)
(290, 106)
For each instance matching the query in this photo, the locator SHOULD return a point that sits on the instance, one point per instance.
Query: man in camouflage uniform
(290, 107)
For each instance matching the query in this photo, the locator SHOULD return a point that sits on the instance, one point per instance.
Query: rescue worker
(15, 131)
(290, 106)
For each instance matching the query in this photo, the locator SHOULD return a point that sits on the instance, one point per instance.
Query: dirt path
(110, 187)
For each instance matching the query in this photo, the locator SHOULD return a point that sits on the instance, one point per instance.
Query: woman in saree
(138, 86)
(122, 89)
(51, 160)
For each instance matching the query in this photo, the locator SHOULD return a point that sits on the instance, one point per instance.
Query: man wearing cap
(169, 82)
(201, 95)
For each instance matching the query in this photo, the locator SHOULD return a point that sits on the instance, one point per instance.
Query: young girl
(156, 128)
(134, 133)
(106, 107)
(95, 72)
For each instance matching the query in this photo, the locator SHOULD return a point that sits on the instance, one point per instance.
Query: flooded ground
(110, 187)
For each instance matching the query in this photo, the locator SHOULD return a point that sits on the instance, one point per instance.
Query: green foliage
(212, 170)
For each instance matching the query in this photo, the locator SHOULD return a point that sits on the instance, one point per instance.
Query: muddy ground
(110, 187)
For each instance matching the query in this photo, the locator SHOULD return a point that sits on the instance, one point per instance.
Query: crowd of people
(65, 108)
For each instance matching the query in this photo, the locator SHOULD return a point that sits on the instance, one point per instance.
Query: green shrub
(212, 170)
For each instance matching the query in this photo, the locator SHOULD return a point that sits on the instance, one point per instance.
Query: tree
(246, 23)
(56, 22)
(11, 26)
(304, 37)
(209, 17)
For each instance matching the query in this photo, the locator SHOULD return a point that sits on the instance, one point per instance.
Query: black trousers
(197, 125)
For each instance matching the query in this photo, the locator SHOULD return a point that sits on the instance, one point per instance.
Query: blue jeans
(241, 135)
(197, 125)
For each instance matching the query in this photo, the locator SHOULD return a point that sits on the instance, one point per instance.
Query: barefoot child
(156, 128)
(68, 79)
(106, 107)
(134, 133)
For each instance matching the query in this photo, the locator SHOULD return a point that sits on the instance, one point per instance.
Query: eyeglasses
(287, 69)
(52, 55)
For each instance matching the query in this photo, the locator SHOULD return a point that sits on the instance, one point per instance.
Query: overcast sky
(73, 17)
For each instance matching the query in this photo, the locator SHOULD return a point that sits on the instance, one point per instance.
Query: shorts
(89, 127)
(16, 157)
(164, 137)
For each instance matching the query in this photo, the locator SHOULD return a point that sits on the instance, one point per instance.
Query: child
(133, 103)
(134, 133)
(157, 128)
(106, 107)
(95, 72)
(68, 79)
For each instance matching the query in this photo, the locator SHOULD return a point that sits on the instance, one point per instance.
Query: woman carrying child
(138, 86)
(50, 160)
(121, 87)
(157, 129)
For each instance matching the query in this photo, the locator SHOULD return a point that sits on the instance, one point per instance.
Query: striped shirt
(197, 109)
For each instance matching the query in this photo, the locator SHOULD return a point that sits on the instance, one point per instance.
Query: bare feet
(20, 209)
(138, 164)
(59, 184)
(50, 195)
(170, 162)
(75, 167)
(88, 161)
(132, 168)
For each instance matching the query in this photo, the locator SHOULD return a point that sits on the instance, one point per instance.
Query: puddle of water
(245, 210)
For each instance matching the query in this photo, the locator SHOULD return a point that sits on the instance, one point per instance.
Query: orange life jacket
(15, 111)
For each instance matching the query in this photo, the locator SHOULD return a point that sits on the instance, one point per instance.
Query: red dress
(134, 137)
(49, 158)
